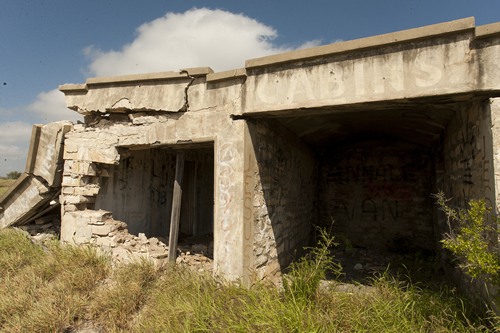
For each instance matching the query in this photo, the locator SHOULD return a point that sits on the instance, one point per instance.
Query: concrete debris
(113, 238)
(125, 248)
(46, 225)
(358, 266)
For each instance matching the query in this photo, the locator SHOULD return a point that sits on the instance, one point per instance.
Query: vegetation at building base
(470, 239)
(473, 241)
(58, 288)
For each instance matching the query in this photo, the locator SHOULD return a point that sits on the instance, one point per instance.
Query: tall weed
(302, 281)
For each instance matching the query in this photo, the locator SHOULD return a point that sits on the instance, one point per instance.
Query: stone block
(88, 190)
(83, 231)
(69, 208)
(72, 181)
(102, 230)
(68, 190)
(84, 168)
(106, 243)
(77, 199)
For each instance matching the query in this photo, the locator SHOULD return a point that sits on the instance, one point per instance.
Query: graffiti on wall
(469, 160)
(376, 191)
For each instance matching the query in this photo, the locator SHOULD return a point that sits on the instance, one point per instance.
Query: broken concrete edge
(197, 71)
(43, 212)
(402, 36)
(226, 75)
(13, 189)
(36, 131)
(136, 78)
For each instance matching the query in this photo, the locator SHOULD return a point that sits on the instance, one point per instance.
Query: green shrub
(13, 175)
(470, 241)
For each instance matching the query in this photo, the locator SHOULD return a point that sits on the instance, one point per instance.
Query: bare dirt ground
(361, 265)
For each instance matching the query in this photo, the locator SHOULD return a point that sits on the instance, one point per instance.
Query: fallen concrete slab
(36, 192)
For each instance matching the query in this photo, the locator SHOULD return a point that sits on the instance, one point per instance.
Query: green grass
(58, 288)
(5, 184)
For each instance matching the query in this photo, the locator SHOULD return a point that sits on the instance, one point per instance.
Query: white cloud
(50, 106)
(310, 43)
(12, 131)
(15, 136)
(198, 37)
(14, 142)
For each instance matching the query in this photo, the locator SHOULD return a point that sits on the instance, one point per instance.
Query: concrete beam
(403, 36)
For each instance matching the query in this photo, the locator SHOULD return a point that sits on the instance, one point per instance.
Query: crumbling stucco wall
(92, 150)
(377, 193)
(284, 197)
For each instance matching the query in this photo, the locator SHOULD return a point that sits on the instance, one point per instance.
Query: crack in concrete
(185, 107)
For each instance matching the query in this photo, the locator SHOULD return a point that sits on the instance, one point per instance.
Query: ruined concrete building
(360, 132)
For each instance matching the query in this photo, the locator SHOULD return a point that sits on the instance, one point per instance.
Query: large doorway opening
(375, 172)
(139, 191)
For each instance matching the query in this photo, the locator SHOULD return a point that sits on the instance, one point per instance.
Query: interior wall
(468, 155)
(377, 194)
(197, 209)
(139, 191)
(284, 196)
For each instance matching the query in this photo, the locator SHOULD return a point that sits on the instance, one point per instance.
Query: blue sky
(47, 43)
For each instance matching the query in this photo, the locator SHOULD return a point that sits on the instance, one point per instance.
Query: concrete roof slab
(364, 43)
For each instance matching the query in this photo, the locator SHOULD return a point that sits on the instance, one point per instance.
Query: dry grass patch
(5, 184)
(45, 288)
(57, 288)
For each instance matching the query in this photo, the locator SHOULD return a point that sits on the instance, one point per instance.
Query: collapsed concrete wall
(109, 146)
(36, 192)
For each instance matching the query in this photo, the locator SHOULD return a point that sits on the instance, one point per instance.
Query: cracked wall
(96, 150)
(264, 186)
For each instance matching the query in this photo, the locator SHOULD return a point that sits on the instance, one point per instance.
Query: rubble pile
(112, 237)
(48, 224)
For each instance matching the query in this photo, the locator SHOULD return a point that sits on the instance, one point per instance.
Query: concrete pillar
(495, 131)
(229, 256)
